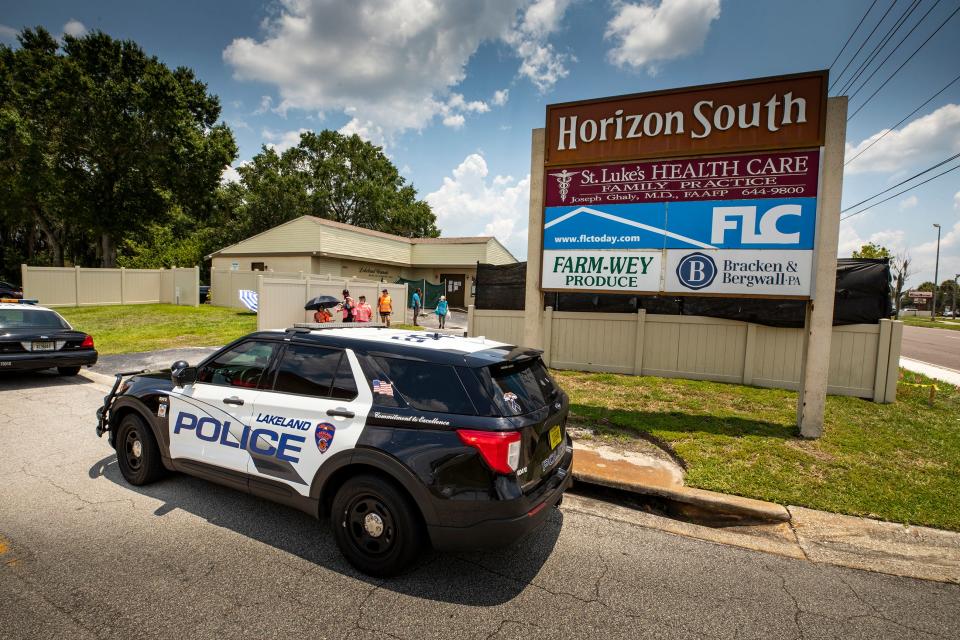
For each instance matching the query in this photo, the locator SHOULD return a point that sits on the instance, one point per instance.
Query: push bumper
(46, 360)
(502, 532)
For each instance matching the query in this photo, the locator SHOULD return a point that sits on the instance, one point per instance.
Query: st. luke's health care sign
(705, 190)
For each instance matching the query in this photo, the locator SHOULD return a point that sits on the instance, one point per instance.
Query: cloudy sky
(453, 88)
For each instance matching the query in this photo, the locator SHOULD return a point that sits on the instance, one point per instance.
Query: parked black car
(400, 437)
(33, 337)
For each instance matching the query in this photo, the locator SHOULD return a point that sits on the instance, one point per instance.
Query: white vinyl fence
(863, 361)
(83, 287)
(281, 299)
(226, 284)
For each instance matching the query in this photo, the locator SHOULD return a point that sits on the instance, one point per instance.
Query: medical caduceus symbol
(563, 181)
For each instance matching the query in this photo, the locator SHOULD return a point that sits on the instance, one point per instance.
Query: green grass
(942, 323)
(898, 462)
(149, 327)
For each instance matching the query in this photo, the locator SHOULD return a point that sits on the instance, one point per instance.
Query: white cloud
(925, 254)
(454, 121)
(230, 174)
(388, 64)
(8, 34)
(929, 138)
(540, 62)
(646, 34)
(500, 97)
(850, 239)
(75, 28)
(471, 203)
(909, 202)
(956, 200)
(280, 141)
(266, 103)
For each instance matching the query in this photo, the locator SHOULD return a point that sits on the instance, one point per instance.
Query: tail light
(87, 343)
(500, 449)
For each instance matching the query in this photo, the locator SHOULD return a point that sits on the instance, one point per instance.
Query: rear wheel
(376, 526)
(137, 452)
(68, 371)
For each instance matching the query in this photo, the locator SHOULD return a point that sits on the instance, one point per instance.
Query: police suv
(400, 437)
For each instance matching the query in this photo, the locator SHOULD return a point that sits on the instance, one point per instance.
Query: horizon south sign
(699, 191)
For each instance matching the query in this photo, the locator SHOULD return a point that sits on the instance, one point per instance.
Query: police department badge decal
(324, 435)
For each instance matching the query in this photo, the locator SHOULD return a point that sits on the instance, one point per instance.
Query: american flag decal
(383, 387)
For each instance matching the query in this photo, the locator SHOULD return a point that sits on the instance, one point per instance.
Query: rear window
(522, 387)
(28, 318)
(426, 386)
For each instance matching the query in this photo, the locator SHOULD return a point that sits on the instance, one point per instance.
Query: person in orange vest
(362, 312)
(385, 307)
(322, 315)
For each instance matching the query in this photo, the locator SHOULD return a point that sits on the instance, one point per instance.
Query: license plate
(555, 437)
(45, 346)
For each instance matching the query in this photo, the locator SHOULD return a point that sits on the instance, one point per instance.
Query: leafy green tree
(102, 143)
(332, 176)
(872, 250)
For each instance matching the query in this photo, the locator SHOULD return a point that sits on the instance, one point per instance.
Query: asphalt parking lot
(84, 555)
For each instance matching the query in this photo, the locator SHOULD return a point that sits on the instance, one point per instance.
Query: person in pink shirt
(363, 311)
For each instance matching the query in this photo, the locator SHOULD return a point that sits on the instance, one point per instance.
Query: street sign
(710, 224)
(920, 295)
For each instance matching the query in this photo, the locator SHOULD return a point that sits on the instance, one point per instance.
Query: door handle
(340, 412)
(233, 400)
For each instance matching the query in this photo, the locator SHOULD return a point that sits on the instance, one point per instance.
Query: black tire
(376, 526)
(68, 371)
(139, 463)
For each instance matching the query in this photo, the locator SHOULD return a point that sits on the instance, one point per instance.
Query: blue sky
(452, 89)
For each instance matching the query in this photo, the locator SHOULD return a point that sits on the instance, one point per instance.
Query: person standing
(363, 312)
(442, 311)
(385, 307)
(347, 306)
(417, 305)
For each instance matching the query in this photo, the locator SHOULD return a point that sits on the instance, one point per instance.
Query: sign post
(730, 190)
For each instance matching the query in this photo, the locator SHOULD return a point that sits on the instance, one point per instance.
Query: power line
(892, 31)
(889, 129)
(853, 33)
(916, 51)
(862, 44)
(894, 50)
(901, 183)
(954, 168)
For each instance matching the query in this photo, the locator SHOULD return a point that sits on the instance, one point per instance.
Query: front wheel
(137, 452)
(376, 526)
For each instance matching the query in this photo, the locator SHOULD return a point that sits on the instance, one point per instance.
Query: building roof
(307, 235)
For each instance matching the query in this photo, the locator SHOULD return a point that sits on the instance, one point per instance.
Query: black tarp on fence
(863, 296)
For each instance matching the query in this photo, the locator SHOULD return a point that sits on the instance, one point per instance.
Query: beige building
(315, 245)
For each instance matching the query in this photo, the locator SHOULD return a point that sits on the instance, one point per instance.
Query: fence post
(196, 285)
(123, 285)
(893, 366)
(748, 353)
(76, 285)
(638, 342)
(23, 279)
(260, 326)
(548, 335)
(883, 361)
(470, 316)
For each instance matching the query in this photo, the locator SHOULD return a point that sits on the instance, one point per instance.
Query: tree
(102, 143)
(331, 176)
(872, 250)
(900, 266)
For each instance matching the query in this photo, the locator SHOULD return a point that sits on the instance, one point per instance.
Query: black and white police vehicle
(34, 337)
(399, 437)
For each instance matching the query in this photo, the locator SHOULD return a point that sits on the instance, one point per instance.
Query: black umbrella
(321, 302)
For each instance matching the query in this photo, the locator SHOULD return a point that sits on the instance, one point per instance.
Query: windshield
(522, 387)
(31, 318)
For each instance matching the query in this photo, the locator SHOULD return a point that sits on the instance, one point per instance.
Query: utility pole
(956, 283)
(936, 275)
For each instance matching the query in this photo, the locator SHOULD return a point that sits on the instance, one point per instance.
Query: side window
(241, 366)
(428, 387)
(315, 371)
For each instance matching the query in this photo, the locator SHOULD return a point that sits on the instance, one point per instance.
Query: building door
(453, 287)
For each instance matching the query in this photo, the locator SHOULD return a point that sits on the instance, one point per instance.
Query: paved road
(83, 555)
(936, 346)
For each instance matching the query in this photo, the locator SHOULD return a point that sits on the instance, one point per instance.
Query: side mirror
(182, 373)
